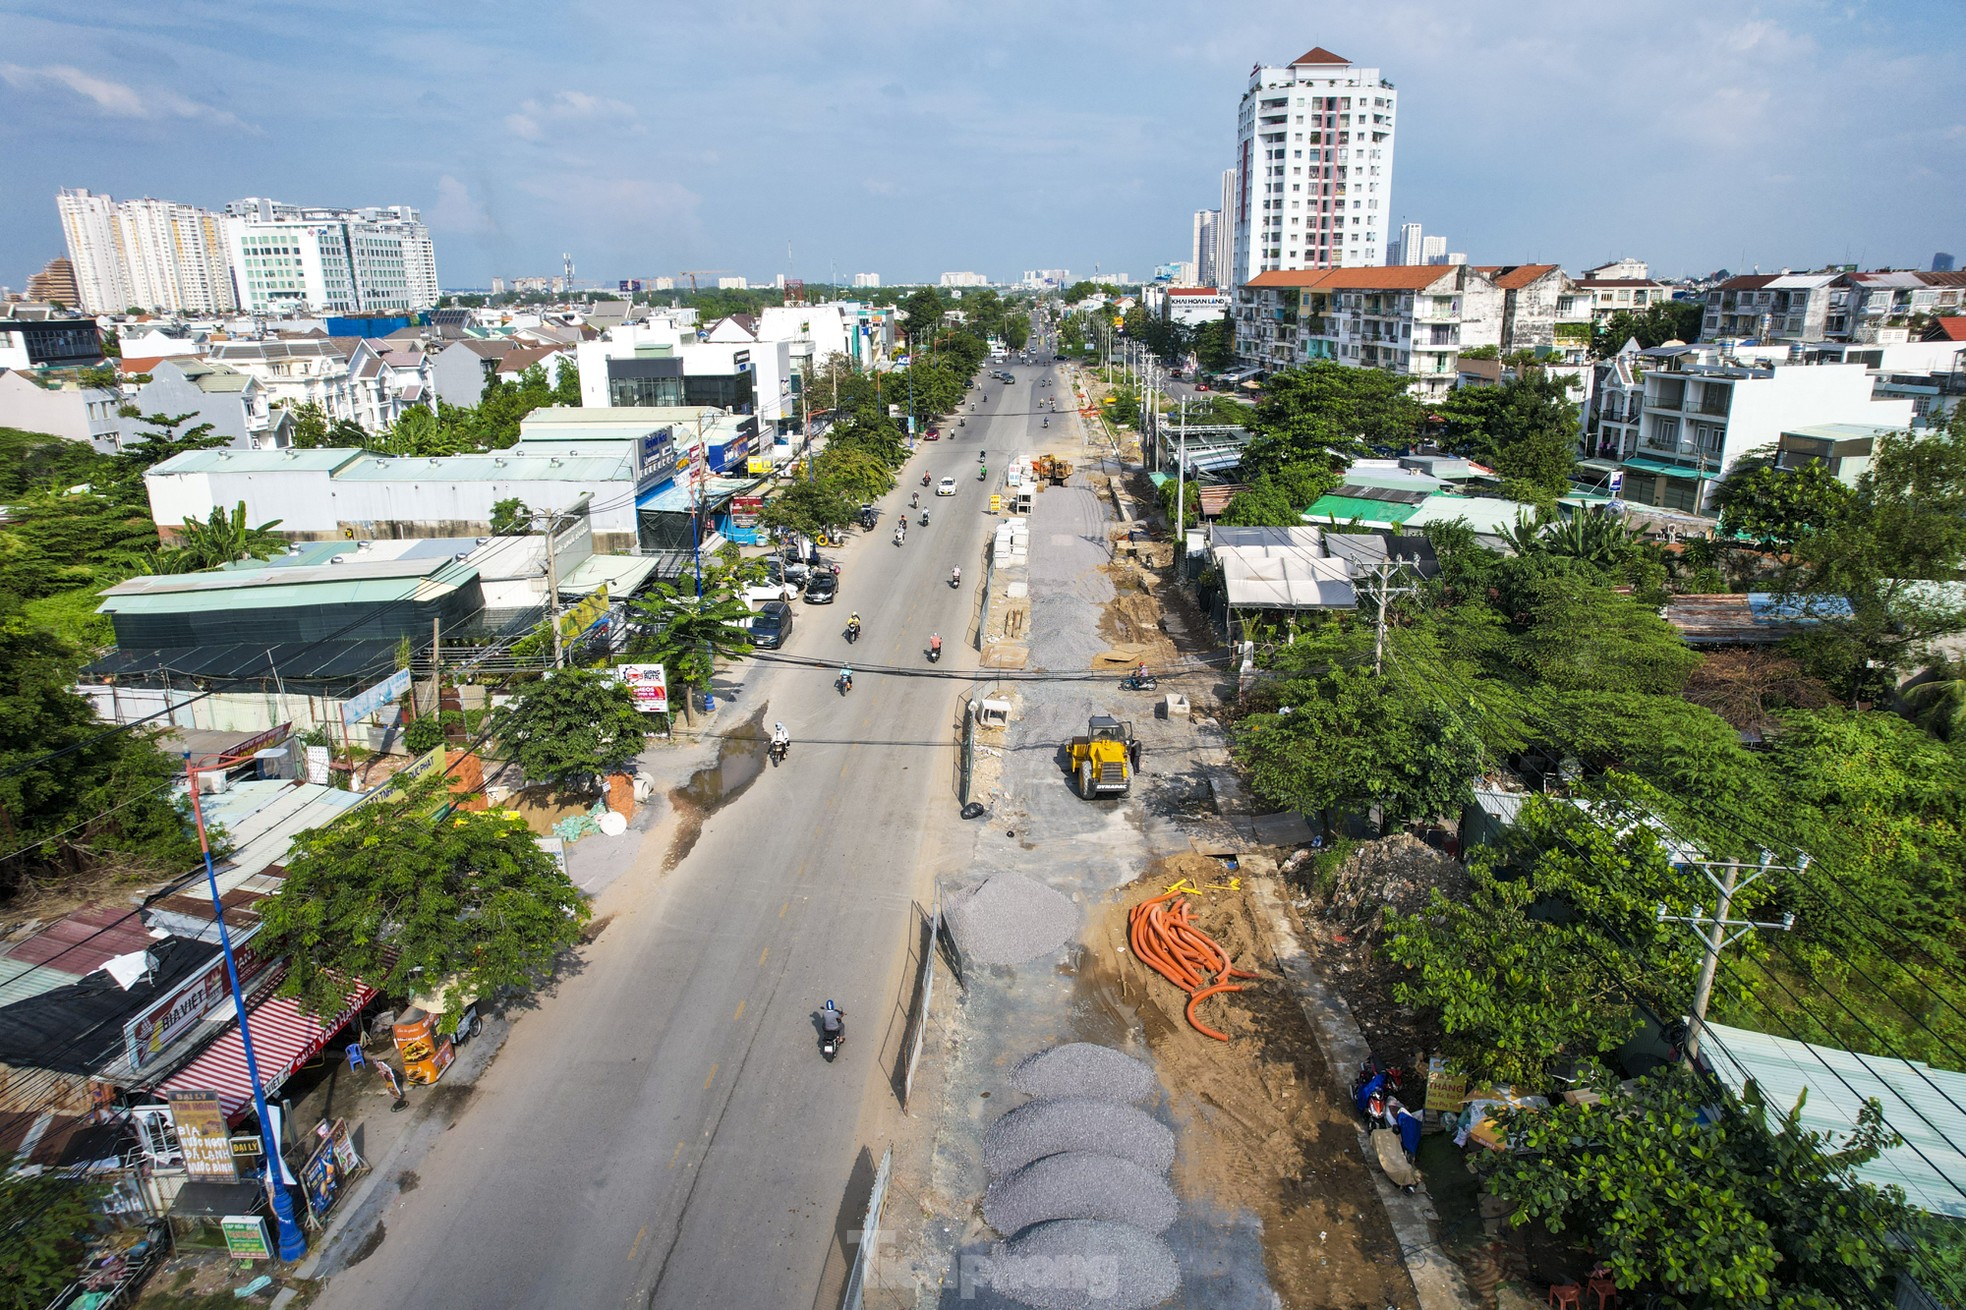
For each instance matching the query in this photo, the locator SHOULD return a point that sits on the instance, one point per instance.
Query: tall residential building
(1314, 166)
(153, 254)
(1225, 234)
(1407, 247)
(866, 280)
(330, 260)
(1202, 254)
(1433, 250)
(965, 280)
(55, 283)
(1942, 262)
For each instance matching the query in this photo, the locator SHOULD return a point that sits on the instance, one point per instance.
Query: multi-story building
(64, 407)
(55, 284)
(1314, 167)
(1202, 247)
(1769, 307)
(1878, 307)
(49, 343)
(1433, 250)
(866, 281)
(1702, 415)
(151, 254)
(1223, 272)
(1610, 295)
(652, 364)
(1542, 310)
(1412, 320)
(1406, 247)
(345, 261)
(234, 403)
(965, 280)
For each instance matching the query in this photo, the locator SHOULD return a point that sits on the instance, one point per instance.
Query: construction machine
(1054, 470)
(1105, 759)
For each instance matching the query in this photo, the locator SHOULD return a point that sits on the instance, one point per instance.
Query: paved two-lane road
(660, 1130)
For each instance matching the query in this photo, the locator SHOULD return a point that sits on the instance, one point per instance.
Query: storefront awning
(284, 1038)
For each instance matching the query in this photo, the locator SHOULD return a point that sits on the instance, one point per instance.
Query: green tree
(44, 1220)
(310, 425)
(1774, 508)
(808, 508)
(1656, 324)
(686, 634)
(1215, 344)
(921, 315)
(158, 441)
(102, 377)
(510, 518)
(1525, 429)
(1753, 1210)
(102, 804)
(1323, 410)
(1279, 499)
(1575, 634)
(465, 901)
(1938, 702)
(222, 539)
(572, 729)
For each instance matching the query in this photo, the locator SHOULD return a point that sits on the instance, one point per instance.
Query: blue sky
(910, 138)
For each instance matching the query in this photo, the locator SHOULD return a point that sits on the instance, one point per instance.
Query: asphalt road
(660, 1130)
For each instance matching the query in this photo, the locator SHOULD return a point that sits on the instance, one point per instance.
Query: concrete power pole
(1383, 591)
(1714, 933)
(553, 585)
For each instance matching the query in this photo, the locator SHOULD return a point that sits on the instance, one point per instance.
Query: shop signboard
(203, 1135)
(317, 765)
(433, 759)
(758, 466)
(245, 1237)
(327, 1170)
(650, 685)
(655, 452)
(1446, 1092)
(362, 704)
(744, 511)
(169, 1017)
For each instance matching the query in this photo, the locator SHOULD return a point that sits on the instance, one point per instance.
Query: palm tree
(221, 539)
(685, 633)
(1593, 538)
(1938, 704)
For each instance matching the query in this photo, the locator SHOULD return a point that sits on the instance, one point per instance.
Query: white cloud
(536, 118)
(457, 210)
(117, 99)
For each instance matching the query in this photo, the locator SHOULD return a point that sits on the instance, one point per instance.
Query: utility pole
(436, 667)
(1383, 591)
(552, 518)
(1714, 933)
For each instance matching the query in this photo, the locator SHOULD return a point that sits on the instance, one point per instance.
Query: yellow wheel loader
(1105, 759)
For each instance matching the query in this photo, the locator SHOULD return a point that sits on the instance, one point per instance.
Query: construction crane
(692, 273)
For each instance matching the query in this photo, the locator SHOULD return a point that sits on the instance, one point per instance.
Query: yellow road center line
(711, 1077)
(740, 1012)
(783, 908)
(675, 1155)
(638, 1241)
(761, 956)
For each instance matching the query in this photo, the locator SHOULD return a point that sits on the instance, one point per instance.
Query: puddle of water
(740, 759)
(369, 1244)
(407, 1181)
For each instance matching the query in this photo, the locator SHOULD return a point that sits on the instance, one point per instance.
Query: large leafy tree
(103, 805)
(573, 728)
(1575, 634)
(808, 508)
(1668, 320)
(1279, 499)
(407, 899)
(1322, 410)
(44, 1221)
(1775, 508)
(1525, 429)
(1215, 344)
(1751, 1210)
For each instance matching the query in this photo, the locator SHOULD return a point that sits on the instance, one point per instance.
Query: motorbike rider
(853, 623)
(781, 740)
(915, 500)
(956, 576)
(900, 534)
(832, 1021)
(924, 518)
(934, 644)
(1140, 671)
(846, 676)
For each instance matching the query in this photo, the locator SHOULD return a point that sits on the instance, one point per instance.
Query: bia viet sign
(649, 684)
(168, 1019)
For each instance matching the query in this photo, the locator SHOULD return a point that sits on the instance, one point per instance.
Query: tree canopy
(1525, 429)
(1313, 413)
(465, 901)
(571, 728)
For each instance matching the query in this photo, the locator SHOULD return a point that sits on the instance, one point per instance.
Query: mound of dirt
(1395, 874)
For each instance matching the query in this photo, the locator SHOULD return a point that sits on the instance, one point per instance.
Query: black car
(822, 588)
(772, 624)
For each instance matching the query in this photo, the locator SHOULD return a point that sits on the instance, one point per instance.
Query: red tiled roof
(142, 364)
(1514, 277)
(1618, 282)
(1748, 282)
(1317, 54)
(80, 943)
(1947, 329)
(1398, 277)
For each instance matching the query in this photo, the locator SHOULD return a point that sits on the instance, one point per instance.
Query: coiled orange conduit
(1162, 933)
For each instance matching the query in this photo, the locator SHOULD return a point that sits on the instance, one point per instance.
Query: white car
(946, 487)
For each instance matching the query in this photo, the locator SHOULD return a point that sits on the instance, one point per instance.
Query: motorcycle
(1372, 1086)
(924, 479)
(778, 752)
(1047, 423)
(924, 518)
(914, 500)
(831, 1042)
(1139, 682)
(955, 579)
(935, 650)
(844, 682)
(899, 536)
(852, 633)
(981, 472)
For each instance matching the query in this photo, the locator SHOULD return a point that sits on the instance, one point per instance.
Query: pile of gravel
(1008, 919)
(1076, 1123)
(1084, 1264)
(1084, 1069)
(1080, 1185)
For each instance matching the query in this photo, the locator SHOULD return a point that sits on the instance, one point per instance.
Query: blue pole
(292, 1242)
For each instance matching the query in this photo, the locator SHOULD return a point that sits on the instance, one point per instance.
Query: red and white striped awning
(284, 1038)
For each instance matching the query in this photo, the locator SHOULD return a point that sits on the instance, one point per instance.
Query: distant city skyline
(913, 139)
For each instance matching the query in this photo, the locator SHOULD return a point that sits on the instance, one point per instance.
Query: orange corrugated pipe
(1165, 938)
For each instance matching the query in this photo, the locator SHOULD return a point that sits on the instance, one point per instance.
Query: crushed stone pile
(1076, 1123)
(1393, 874)
(1085, 1069)
(1084, 1264)
(1079, 1185)
(1008, 919)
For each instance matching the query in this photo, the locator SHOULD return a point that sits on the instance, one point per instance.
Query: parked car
(772, 624)
(823, 588)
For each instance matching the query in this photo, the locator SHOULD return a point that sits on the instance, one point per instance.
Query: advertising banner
(365, 703)
(758, 465)
(170, 1016)
(650, 685)
(744, 511)
(203, 1135)
(245, 1237)
(318, 771)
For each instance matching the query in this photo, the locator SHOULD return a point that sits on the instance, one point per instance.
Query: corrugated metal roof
(502, 466)
(320, 459)
(263, 816)
(1343, 509)
(1921, 1104)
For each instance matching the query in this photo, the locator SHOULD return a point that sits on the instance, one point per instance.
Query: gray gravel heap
(1084, 1264)
(1079, 1185)
(1008, 919)
(1085, 1069)
(1076, 1123)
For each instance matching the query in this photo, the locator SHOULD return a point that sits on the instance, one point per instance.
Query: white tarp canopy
(1284, 578)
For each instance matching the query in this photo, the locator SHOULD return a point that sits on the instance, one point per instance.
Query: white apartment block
(1202, 247)
(1314, 167)
(1225, 235)
(964, 280)
(866, 281)
(291, 257)
(151, 254)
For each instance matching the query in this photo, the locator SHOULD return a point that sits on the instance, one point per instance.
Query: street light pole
(291, 1241)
